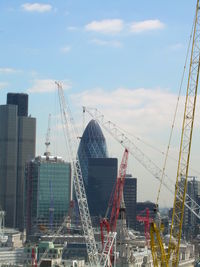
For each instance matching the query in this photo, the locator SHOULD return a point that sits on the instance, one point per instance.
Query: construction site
(84, 212)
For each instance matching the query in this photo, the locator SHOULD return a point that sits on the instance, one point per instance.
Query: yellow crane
(163, 256)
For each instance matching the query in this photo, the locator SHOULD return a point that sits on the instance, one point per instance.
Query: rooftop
(48, 159)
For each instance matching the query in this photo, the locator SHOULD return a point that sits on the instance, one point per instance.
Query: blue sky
(124, 57)
(42, 42)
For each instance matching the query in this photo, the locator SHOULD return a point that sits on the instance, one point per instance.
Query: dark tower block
(102, 175)
(17, 146)
(26, 151)
(130, 199)
(8, 162)
(20, 100)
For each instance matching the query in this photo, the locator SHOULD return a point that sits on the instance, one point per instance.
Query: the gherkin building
(92, 145)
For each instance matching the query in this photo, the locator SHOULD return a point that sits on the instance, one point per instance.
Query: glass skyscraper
(99, 172)
(92, 145)
(47, 194)
(102, 174)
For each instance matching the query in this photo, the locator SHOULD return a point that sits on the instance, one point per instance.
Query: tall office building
(92, 145)
(47, 194)
(99, 172)
(102, 174)
(130, 200)
(190, 220)
(17, 145)
(19, 100)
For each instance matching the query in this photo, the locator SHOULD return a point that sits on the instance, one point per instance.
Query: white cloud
(146, 25)
(3, 85)
(176, 47)
(37, 7)
(8, 70)
(145, 110)
(112, 43)
(66, 49)
(107, 26)
(46, 86)
(72, 28)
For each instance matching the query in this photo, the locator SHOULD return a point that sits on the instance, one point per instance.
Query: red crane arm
(118, 191)
(115, 199)
(146, 220)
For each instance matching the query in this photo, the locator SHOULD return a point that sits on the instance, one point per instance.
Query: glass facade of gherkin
(92, 145)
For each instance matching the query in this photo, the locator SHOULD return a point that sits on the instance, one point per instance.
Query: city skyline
(126, 60)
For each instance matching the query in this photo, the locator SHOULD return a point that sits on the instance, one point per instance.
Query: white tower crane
(95, 260)
(70, 131)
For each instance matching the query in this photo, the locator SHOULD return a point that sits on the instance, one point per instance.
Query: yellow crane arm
(160, 257)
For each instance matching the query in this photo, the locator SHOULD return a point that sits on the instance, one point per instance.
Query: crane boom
(71, 137)
(78, 179)
(118, 194)
(120, 136)
(105, 259)
(171, 258)
(185, 145)
(116, 200)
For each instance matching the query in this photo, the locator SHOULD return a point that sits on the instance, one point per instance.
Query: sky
(124, 57)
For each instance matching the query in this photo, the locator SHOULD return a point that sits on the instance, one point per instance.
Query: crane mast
(72, 144)
(172, 256)
(118, 194)
(78, 179)
(116, 199)
(146, 220)
(47, 141)
(185, 146)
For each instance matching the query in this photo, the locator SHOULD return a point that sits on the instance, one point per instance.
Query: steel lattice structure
(185, 146)
(71, 134)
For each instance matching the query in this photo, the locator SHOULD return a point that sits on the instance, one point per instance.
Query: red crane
(34, 258)
(146, 220)
(115, 199)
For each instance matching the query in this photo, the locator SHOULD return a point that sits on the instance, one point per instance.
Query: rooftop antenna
(47, 142)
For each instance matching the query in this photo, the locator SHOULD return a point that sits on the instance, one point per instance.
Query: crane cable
(156, 149)
(174, 118)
